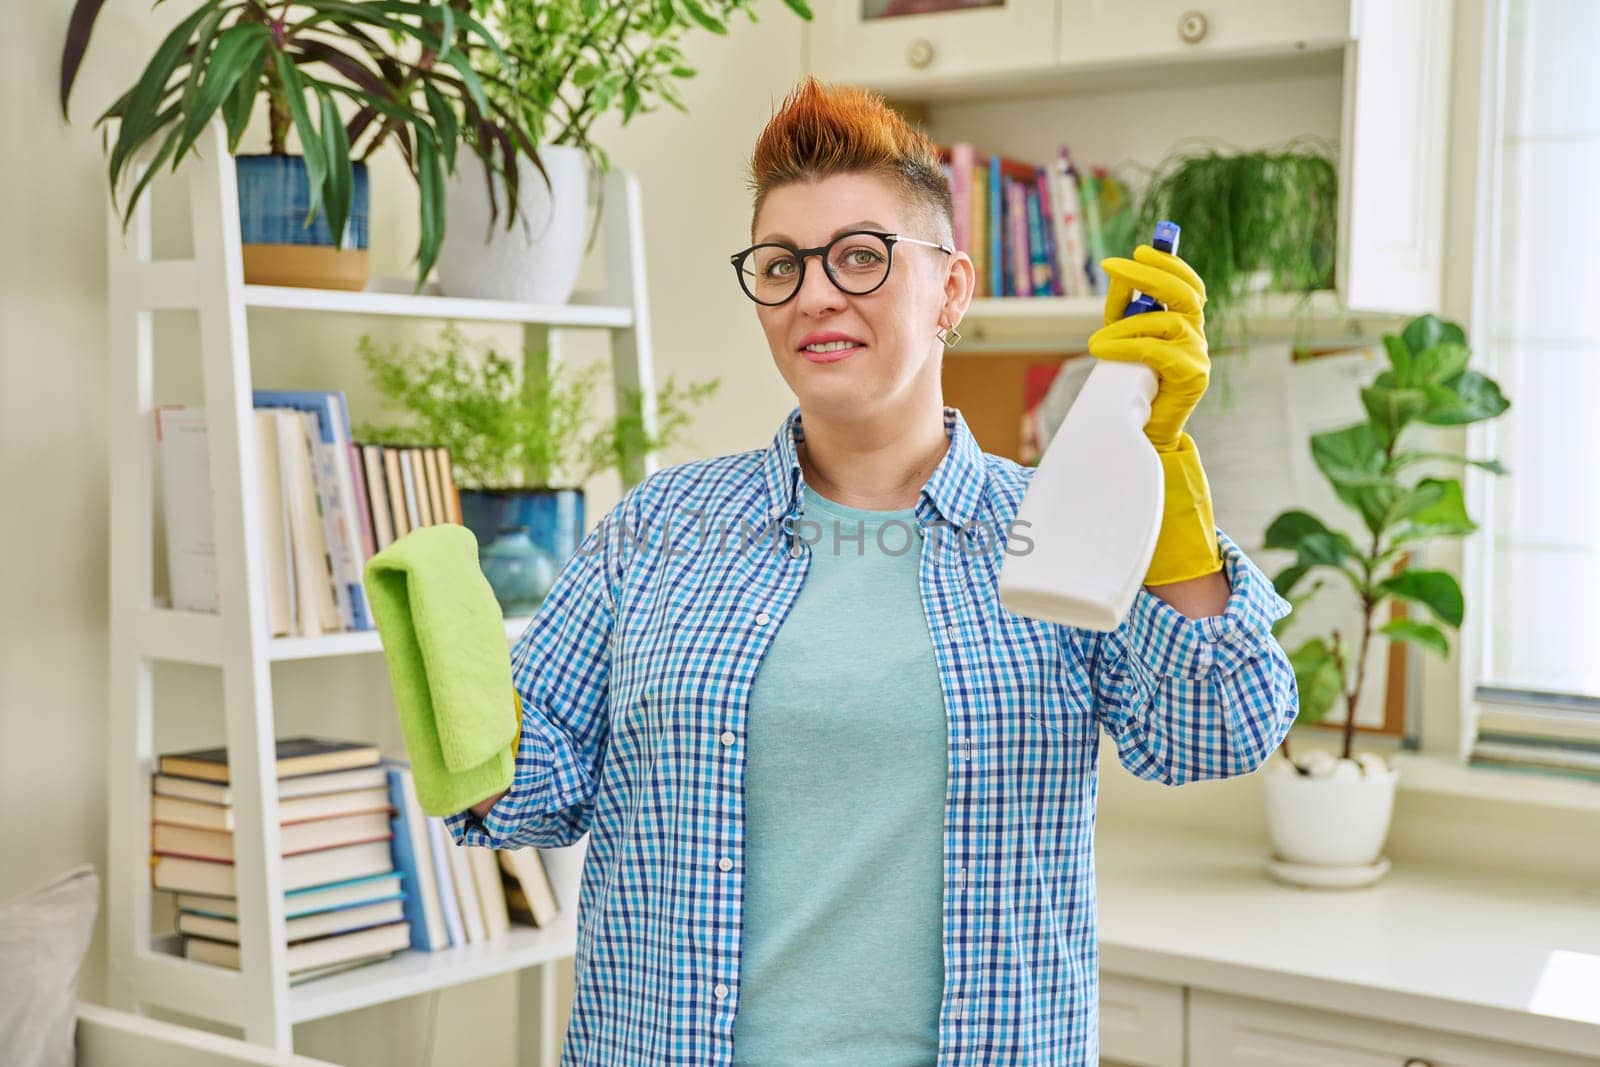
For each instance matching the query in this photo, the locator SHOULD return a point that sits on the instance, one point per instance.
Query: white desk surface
(1478, 952)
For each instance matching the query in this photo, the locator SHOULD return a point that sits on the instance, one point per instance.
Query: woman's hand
(481, 809)
(1172, 343)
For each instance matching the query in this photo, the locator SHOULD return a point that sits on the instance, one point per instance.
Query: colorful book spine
(1021, 261)
(1038, 252)
(997, 266)
(1074, 251)
(1041, 184)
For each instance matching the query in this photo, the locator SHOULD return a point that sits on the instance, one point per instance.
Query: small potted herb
(1328, 816)
(521, 445)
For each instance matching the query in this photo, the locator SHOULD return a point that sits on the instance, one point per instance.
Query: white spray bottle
(1093, 510)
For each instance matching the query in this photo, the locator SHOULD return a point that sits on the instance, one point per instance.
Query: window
(1538, 609)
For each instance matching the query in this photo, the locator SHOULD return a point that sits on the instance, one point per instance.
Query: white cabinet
(1141, 1022)
(1385, 83)
(862, 42)
(1229, 1031)
(1105, 31)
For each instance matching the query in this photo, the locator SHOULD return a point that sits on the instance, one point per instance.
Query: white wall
(53, 694)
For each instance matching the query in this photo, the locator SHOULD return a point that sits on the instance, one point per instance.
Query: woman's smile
(830, 354)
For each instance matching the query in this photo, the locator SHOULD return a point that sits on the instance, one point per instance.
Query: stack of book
(365, 872)
(464, 894)
(344, 899)
(1035, 230)
(329, 504)
(1542, 733)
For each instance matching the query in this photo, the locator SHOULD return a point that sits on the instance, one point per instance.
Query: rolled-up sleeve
(561, 670)
(1186, 699)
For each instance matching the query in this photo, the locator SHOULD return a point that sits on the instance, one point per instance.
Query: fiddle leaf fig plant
(1369, 466)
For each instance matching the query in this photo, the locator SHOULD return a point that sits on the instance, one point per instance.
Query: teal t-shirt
(842, 953)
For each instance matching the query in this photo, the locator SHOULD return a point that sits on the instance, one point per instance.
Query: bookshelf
(145, 970)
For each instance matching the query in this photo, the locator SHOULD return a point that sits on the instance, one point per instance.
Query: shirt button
(762, 618)
(725, 863)
(727, 737)
(721, 991)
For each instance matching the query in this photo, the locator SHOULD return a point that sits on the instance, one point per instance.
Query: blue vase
(554, 517)
(519, 571)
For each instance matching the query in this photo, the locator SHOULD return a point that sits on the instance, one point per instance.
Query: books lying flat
(351, 892)
(302, 928)
(299, 786)
(295, 838)
(181, 812)
(296, 755)
(215, 878)
(317, 953)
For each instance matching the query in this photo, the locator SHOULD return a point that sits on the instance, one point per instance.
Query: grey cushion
(43, 936)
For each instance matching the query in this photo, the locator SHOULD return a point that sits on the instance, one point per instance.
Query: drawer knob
(919, 53)
(1192, 27)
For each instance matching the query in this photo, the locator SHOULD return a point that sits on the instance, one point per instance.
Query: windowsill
(1444, 776)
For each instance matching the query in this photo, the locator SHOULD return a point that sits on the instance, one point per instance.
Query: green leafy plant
(1247, 212)
(565, 63)
(1427, 382)
(406, 67)
(510, 430)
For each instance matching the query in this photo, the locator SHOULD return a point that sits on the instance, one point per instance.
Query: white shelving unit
(145, 970)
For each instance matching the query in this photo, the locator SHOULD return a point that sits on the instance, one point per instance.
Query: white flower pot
(538, 258)
(1330, 828)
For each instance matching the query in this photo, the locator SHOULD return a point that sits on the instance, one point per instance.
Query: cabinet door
(1228, 1031)
(1106, 31)
(1141, 1022)
(900, 44)
(1392, 170)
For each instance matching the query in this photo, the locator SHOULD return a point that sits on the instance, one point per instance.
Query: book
(1072, 246)
(187, 508)
(466, 894)
(280, 564)
(296, 756)
(316, 609)
(1556, 725)
(319, 952)
(328, 896)
(300, 928)
(438, 841)
(340, 517)
(304, 785)
(358, 474)
(491, 894)
(413, 858)
(452, 495)
(536, 897)
(397, 492)
(195, 842)
(378, 491)
(216, 878)
(180, 811)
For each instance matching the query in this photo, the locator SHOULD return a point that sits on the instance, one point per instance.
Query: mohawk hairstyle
(825, 130)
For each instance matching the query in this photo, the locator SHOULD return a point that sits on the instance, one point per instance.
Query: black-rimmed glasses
(856, 262)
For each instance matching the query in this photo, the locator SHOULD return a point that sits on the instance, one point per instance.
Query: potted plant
(1252, 220)
(521, 446)
(401, 66)
(1328, 816)
(562, 64)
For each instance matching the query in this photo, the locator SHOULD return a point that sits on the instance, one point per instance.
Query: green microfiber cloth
(444, 638)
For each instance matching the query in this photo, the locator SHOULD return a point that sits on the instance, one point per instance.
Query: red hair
(825, 130)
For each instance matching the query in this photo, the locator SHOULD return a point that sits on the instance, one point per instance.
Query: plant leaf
(310, 140)
(236, 51)
(1443, 361)
(1420, 633)
(341, 175)
(1444, 515)
(430, 189)
(1425, 331)
(1433, 589)
(138, 121)
(1476, 398)
(1316, 675)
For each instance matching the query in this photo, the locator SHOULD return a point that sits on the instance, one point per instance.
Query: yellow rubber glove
(1172, 343)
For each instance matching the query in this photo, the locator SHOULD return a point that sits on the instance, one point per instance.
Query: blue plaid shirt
(635, 677)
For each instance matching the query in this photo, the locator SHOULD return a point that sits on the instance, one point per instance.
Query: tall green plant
(227, 52)
(1427, 383)
(510, 430)
(1244, 212)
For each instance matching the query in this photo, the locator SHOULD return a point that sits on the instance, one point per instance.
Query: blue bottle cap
(1166, 237)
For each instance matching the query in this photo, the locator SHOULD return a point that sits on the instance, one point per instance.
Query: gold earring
(949, 335)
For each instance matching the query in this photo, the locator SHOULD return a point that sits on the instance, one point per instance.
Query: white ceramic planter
(1337, 824)
(538, 258)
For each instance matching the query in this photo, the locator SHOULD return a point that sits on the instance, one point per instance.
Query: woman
(841, 803)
